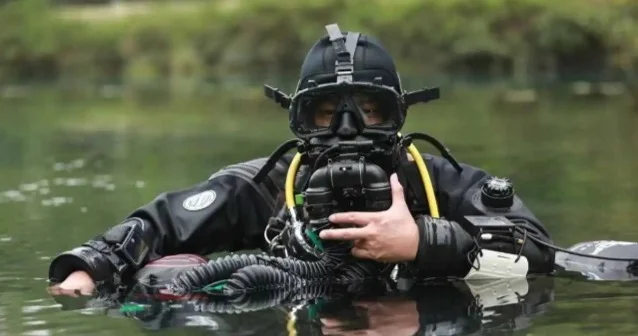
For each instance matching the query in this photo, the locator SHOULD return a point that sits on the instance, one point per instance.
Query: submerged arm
(228, 212)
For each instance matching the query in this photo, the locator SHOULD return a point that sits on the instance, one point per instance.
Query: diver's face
(372, 114)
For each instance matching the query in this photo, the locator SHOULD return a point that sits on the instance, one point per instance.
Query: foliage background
(522, 42)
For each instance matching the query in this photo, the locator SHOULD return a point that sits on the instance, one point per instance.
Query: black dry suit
(230, 210)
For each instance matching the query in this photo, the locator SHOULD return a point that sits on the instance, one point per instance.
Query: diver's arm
(230, 214)
(444, 243)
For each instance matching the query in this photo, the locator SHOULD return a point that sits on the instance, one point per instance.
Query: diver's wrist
(420, 253)
(414, 244)
(79, 259)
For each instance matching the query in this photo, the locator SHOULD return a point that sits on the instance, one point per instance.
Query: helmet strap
(345, 47)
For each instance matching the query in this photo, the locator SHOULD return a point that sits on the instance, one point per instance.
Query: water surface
(71, 167)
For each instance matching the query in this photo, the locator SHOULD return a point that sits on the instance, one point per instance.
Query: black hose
(218, 269)
(564, 250)
(315, 166)
(220, 306)
(283, 296)
(236, 275)
(361, 270)
(224, 267)
(243, 303)
(445, 152)
(323, 156)
(259, 278)
(274, 157)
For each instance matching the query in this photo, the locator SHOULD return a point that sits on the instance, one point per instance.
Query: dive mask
(346, 110)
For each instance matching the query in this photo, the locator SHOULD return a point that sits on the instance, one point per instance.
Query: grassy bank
(521, 41)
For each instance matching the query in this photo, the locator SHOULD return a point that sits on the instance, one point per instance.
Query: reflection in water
(30, 317)
(591, 268)
(372, 307)
(441, 308)
(449, 308)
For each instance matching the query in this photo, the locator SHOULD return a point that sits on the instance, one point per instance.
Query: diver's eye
(326, 109)
(323, 113)
(367, 109)
(367, 104)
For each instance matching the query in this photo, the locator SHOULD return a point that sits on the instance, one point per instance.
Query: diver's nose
(347, 126)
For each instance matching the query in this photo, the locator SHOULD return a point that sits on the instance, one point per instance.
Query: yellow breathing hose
(418, 159)
(425, 178)
(289, 188)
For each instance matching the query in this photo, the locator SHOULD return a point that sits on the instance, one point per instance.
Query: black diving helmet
(349, 90)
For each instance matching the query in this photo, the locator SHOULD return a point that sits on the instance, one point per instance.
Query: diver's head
(348, 89)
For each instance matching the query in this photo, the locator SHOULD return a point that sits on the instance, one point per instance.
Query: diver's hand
(76, 284)
(385, 316)
(388, 236)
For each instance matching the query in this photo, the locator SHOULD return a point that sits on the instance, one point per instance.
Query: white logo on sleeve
(199, 201)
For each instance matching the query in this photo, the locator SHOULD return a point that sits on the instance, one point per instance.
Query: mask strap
(345, 47)
(351, 44)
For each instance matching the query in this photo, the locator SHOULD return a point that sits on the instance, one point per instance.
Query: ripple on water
(71, 181)
(69, 166)
(12, 196)
(3, 322)
(34, 323)
(103, 182)
(41, 332)
(47, 191)
(35, 309)
(56, 201)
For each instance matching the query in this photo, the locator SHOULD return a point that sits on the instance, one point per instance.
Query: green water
(70, 167)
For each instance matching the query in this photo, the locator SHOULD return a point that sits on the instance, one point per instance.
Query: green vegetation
(524, 41)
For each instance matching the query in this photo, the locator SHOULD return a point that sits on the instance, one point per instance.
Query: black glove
(443, 248)
(117, 254)
(94, 258)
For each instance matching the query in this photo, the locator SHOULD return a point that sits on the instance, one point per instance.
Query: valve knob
(497, 193)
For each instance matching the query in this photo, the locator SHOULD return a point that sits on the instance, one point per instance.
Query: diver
(423, 214)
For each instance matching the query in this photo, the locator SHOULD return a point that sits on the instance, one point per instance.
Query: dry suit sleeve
(228, 212)
(445, 244)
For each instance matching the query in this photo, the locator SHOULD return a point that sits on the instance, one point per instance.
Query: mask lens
(322, 109)
(376, 107)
